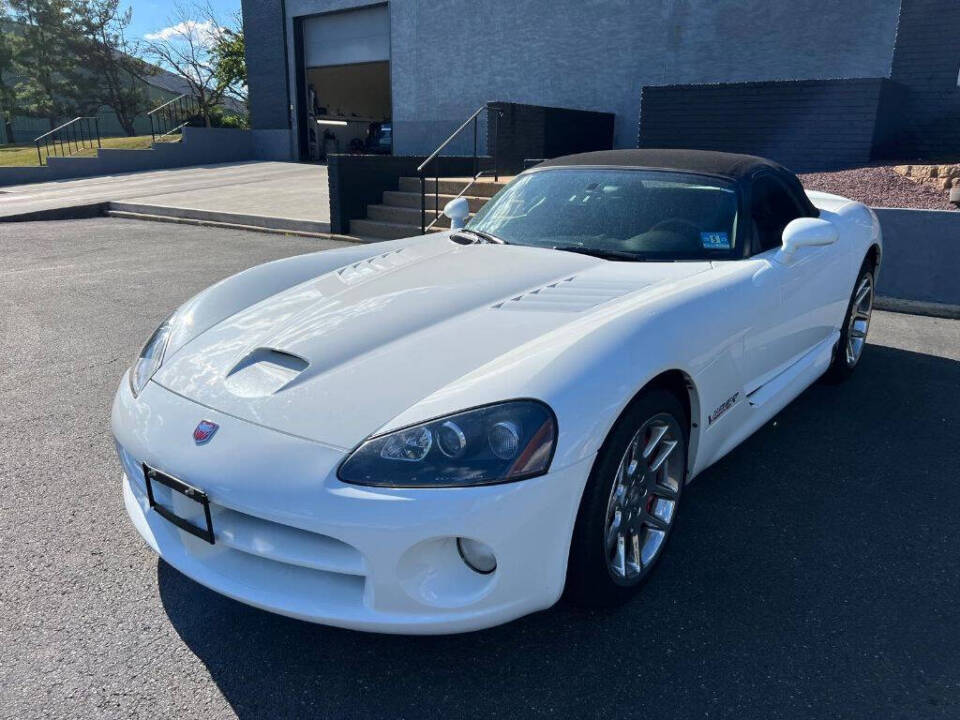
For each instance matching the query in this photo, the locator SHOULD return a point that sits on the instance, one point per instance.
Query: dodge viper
(443, 433)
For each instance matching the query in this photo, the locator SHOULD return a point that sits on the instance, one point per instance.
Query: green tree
(189, 49)
(51, 83)
(102, 49)
(229, 59)
(8, 104)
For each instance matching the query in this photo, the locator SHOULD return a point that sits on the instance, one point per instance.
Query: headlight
(150, 358)
(490, 444)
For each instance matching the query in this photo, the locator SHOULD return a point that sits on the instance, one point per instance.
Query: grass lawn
(27, 154)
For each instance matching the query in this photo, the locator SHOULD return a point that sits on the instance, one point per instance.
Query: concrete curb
(72, 212)
(235, 226)
(237, 221)
(262, 221)
(916, 307)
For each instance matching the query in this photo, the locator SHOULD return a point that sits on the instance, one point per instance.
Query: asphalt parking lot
(815, 572)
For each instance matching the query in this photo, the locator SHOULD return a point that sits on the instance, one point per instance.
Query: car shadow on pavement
(813, 572)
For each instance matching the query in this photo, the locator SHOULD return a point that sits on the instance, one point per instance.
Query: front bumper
(292, 539)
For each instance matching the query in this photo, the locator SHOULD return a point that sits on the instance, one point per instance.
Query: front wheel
(853, 334)
(630, 503)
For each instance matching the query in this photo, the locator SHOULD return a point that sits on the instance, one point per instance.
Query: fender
(591, 368)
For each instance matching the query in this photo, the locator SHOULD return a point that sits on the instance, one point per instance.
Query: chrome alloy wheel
(859, 320)
(643, 499)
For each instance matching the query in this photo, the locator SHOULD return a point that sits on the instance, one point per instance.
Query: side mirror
(807, 232)
(457, 210)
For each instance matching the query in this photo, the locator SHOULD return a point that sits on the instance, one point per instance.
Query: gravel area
(878, 187)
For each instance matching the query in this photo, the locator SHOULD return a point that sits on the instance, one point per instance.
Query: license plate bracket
(152, 475)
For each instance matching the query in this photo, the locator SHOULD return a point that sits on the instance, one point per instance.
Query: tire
(856, 324)
(605, 574)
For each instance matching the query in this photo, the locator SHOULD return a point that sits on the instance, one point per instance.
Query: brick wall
(534, 131)
(926, 62)
(356, 181)
(266, 64)
(805, 125)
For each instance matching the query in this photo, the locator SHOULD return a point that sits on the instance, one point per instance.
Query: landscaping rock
(889, 186)
(942, 177)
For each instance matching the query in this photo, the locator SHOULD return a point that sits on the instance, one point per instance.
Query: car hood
(337, 357)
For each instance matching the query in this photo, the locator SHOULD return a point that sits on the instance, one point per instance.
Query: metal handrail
(172, 115)
(446, 142)
(158, 108)
(73, 132)
(434, 157)
(61, 127)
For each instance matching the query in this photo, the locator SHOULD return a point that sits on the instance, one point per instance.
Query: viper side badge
(729, 403)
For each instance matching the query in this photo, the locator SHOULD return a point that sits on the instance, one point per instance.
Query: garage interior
(346, 57)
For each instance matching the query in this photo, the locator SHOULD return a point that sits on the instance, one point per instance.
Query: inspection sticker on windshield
(715, 240)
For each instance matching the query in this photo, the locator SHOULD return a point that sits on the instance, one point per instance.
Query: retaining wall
(199, 146)
(921, 255)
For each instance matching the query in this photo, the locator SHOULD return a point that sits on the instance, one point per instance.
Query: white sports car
(443, 433)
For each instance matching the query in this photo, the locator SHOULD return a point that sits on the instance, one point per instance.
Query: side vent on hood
(371, 267)
(570, 295)
(263, 372)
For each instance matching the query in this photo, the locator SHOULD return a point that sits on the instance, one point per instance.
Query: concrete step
(404, 216)
(395, 198)
(452, 186)
(384, 230)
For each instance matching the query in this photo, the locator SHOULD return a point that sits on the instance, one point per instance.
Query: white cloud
(201, 32)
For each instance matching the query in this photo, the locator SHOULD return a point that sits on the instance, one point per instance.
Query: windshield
(623, 214)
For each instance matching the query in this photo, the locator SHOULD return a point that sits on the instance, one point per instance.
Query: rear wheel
(630, 504)
(856, 324)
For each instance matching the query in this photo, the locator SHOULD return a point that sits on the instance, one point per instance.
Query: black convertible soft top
(737, 167)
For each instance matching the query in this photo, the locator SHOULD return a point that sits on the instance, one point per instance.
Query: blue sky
(151, 16)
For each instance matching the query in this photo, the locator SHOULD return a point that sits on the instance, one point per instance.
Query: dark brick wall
(926, 62)
(266, 64)
(356, 181)
(886, 132)
(805, 125)
(534, 131)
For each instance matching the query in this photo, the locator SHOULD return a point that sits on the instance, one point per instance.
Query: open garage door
(346, 76)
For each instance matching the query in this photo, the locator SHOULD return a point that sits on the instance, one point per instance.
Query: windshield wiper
(599, 252)
(485, 236)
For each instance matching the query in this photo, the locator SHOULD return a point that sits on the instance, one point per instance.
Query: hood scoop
(264, 372)
(571, 294)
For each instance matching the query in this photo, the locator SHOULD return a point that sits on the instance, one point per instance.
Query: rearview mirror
(457, 210)
(807, 232)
